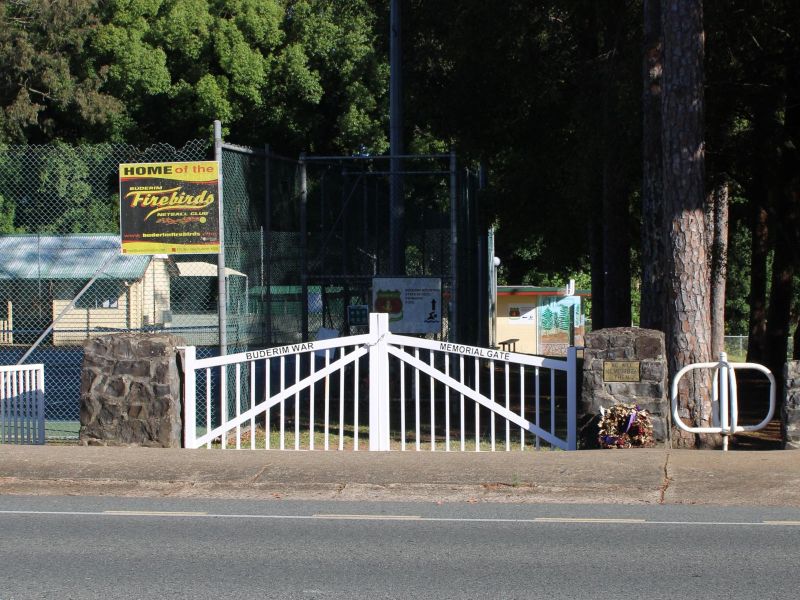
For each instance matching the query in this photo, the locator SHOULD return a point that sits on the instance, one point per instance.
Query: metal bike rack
(724, 398)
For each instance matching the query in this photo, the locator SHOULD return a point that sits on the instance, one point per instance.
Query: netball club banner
(169, 208)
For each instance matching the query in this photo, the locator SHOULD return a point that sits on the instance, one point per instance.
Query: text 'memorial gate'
(380, 391)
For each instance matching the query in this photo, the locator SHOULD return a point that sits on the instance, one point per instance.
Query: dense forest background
(558, 101)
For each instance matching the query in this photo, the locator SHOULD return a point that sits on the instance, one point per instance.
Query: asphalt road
(85, 547)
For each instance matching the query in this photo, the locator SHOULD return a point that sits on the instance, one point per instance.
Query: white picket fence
(398, 392)
(22, 404)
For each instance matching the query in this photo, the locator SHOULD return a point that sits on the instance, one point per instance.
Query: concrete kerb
(615, 476)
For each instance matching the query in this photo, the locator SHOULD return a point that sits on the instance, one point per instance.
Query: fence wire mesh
(303, 239)
(59, 228)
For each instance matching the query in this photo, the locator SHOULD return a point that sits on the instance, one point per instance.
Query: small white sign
(522, 314)
(414, 304)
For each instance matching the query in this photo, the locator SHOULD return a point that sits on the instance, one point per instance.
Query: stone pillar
(623, 365)
(790, 412)
(131, 391)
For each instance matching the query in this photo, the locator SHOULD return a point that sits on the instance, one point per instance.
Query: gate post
(188, 356)
(378, 382)
(572, 398)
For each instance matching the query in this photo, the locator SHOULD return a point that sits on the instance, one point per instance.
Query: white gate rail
(243, 384)
(459, 364)
(420, 389)
(724, 398)
(22, 404)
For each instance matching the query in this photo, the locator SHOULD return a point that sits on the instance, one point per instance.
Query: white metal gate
(22, 404)
(398, 392)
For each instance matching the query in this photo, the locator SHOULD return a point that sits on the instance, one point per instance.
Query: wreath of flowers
(625, 426)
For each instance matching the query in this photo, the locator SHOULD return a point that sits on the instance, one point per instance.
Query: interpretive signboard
(169, 208)
(414, 304)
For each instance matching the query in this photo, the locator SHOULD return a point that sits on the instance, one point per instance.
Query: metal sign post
(222, 294)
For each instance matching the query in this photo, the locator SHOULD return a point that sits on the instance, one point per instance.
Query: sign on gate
(414, 304)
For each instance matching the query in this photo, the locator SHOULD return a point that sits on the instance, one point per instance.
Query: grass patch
(348, 441)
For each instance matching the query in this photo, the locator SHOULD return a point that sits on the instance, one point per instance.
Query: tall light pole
(397, 209)
(493, 300)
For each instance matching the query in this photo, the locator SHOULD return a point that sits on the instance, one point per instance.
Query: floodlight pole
(397, 209)
(303, 246)
(222, 295)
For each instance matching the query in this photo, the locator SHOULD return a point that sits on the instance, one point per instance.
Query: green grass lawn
(66, 432)
(61, 431)
(348, 441)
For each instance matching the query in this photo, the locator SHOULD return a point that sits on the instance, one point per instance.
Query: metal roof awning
(203, 269)
(73, 256)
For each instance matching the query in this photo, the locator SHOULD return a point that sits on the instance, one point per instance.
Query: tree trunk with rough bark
(653, 249)
(759, 250)
(688, 321)
(616, 215)
(763, 124)
(717, 231)
(780, 305)
(598, 277)
(786, 259)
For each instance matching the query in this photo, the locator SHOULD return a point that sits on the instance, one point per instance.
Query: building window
(102, 294)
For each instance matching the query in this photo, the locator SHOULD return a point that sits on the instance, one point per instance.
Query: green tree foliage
(7, 211)
(545, 94)
(67, 196)
(300, 74)
(47, 88)
(519, 86)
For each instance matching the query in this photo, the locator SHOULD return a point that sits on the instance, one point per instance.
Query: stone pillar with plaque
(623, 365)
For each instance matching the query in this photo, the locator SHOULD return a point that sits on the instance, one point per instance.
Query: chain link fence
(736, 348)
(303, 239)
(59, 228)
(316, 233)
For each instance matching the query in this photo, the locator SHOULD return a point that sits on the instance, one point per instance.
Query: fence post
(38, 376)
(189, 356)
(222, 284)
(572, 398)
(378, 382)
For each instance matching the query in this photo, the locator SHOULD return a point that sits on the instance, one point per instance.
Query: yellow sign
(169, 208)
(621, 371)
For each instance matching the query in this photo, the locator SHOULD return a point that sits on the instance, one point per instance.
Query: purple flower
(631, 420)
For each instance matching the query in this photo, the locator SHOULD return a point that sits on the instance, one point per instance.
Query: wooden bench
(509, 345)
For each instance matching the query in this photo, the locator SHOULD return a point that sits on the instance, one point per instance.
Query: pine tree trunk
(717, 228)
(588, 50)
(759, 249)
(616, 216)
(688, 321)
(787, 222)
(763, 118)
(598, 277)
(653, 249)
(780, 304)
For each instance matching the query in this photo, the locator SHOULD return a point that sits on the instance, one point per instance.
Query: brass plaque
(621, 371)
